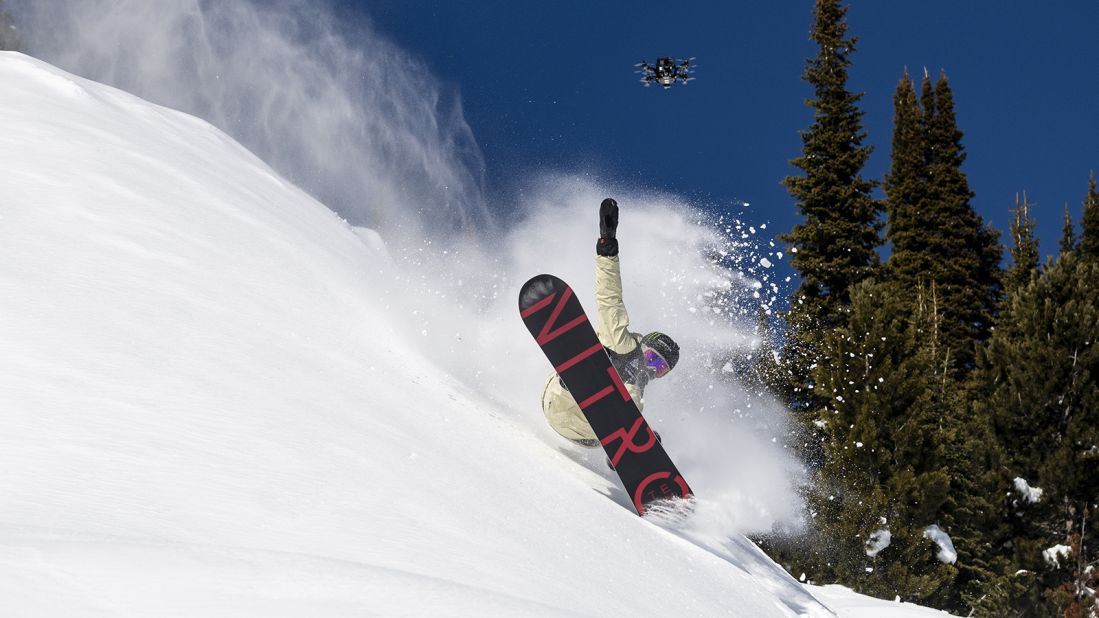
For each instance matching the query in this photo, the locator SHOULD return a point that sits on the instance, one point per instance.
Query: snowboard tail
(557, 321)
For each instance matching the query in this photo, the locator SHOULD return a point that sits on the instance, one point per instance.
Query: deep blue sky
(551, 85)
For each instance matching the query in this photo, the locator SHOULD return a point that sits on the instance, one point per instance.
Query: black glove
(608, 218)
(608, 226)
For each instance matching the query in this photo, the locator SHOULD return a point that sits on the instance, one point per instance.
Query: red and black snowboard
(554, 317)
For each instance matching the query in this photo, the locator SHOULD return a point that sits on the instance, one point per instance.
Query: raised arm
(614, 322)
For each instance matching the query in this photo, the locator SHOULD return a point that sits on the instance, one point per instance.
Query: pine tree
(944, 257)
(906, 186)
(937, 237)
(835, 246)
(966, 251)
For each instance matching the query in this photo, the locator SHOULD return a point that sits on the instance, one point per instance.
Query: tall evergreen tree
(943, 257)
(837, 243)
(967, 271)
(906, 186)
(937, 236)
(835, 246)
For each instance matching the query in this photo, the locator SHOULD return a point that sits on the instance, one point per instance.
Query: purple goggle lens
(656, 362)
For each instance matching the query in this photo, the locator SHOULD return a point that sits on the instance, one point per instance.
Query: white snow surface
(215, 403)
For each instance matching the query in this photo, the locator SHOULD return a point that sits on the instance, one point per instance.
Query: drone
(666, 72)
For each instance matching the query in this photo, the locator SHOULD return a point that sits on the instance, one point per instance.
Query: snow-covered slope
(211, 405)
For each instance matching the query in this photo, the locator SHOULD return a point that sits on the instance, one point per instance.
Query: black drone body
(666, 72)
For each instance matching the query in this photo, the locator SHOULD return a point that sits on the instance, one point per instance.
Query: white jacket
(613, 329)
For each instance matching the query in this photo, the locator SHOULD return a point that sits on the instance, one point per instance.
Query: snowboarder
(638, 359)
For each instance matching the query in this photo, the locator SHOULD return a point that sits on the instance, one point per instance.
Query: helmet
(664, 346)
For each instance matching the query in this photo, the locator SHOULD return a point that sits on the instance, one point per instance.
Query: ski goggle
(656, 362)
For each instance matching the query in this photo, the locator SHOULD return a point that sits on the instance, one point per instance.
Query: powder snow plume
(367, 130)
(360, 125)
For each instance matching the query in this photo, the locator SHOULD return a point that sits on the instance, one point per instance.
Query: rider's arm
(614, 322)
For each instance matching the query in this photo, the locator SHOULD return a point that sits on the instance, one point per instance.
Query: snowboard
(555, 319)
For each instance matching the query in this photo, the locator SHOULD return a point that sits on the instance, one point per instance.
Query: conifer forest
(947, 405)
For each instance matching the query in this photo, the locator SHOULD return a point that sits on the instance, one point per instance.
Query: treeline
(948, 408)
